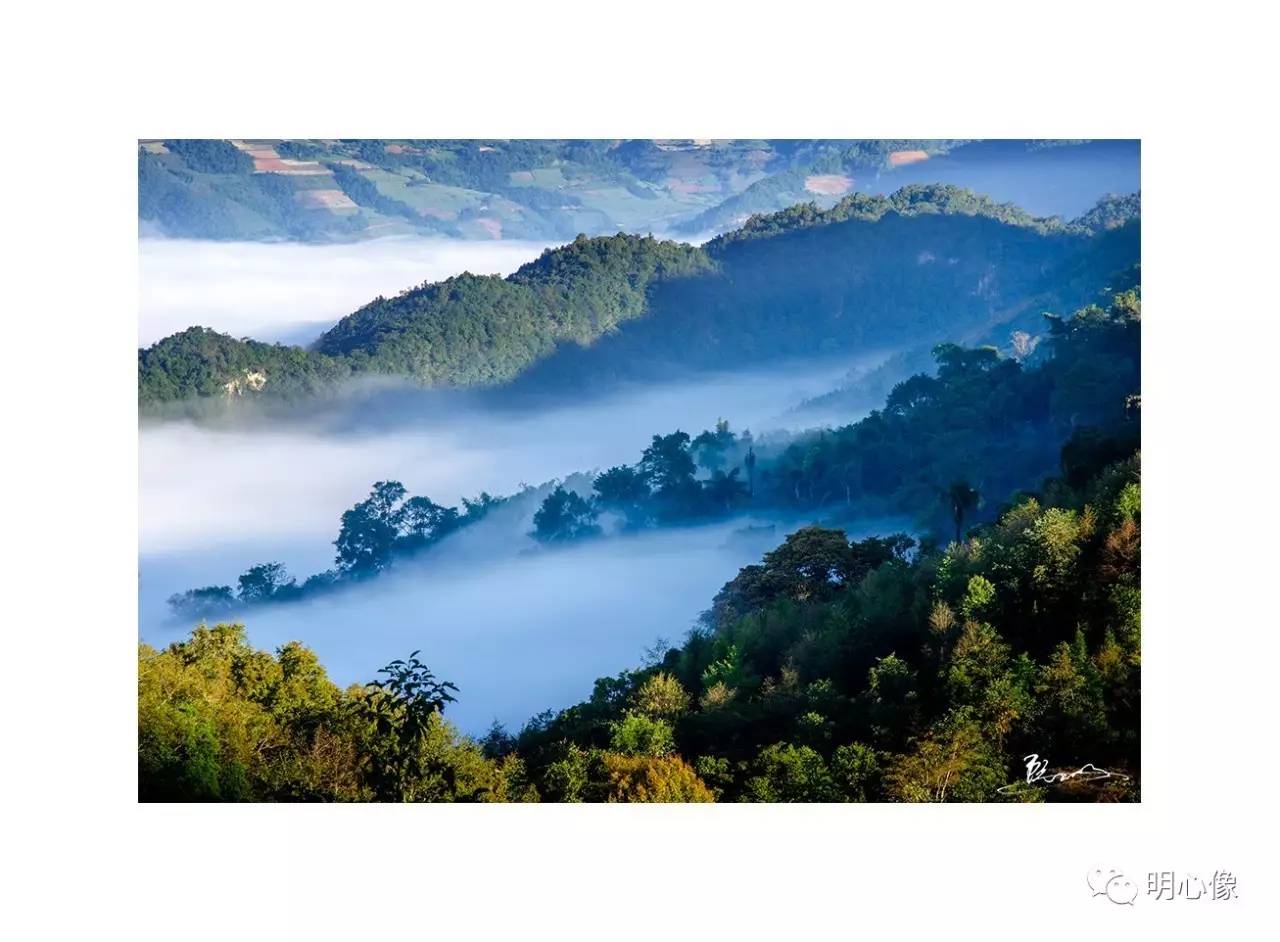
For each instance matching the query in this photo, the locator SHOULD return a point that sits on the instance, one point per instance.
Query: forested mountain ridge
(925, 199)
(474, 329)
(980, 427)
(876, 671)
(202, 363)
(928, 263)
(831, 671)
(931, 263)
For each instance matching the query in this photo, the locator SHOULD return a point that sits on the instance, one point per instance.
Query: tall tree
(262, 582)
(369, 530)
(564, 516)
(962, 500)
(626, 491)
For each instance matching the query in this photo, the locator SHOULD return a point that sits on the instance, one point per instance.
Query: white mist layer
(292, 292)
(202, 487)
(519, 629)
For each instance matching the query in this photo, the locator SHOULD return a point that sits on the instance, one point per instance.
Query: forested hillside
(926, 264)
(944, 450)
(894, 668)
(473, 330)
(929, 263)
(872, 671)
(876, 671)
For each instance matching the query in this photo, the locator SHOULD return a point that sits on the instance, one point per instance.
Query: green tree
(709, 447)
(563, 517)
(788, 773)
(421, 521)
(724, 491)
(953, 762)
(661, 697)
(857, 772)
(404, 709)
(962, 500)
(624, 490)
(669, 470)
(369, 530)
(261, 583)
(639, 735)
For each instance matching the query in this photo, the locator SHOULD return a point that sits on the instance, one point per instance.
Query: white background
(82, 83)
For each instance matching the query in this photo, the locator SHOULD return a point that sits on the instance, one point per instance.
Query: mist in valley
(292, 292)
(519, 627)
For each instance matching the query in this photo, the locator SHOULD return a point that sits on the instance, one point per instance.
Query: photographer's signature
(1038, 772)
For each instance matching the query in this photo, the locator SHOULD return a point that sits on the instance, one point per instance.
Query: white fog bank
(291, 292)
(520, 629)
(205, 487)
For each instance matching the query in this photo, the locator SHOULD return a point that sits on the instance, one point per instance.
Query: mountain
(343, 190)
(928, 263)
(1048, 178)
(885, 669)
(471, 329)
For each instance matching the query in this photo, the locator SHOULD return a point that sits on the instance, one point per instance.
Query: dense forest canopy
(832, 671)
(482, 330)
(927, 263)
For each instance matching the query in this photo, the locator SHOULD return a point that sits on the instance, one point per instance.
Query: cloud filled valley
(519, 627)
(290, 292)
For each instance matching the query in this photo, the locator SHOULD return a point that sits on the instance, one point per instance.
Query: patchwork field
(901, 158)
(828, 184)
(338, 190)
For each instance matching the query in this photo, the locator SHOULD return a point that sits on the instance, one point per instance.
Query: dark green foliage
(812, 564)
(961, 500)
(982, 418)
(402, 708)
(798, 284)
(209, 601)
(830, 671)
(814, 286)
(1111, 212)
(265, 582)
(914, 200)
(862, 672)
(786, 186)
(667, 467)
(843, 672)
(211, 156)
(472, 330)
(386, 526)
(369, 531)
(984, 424)
(564, 517)
(625, 491)
(199, 362)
